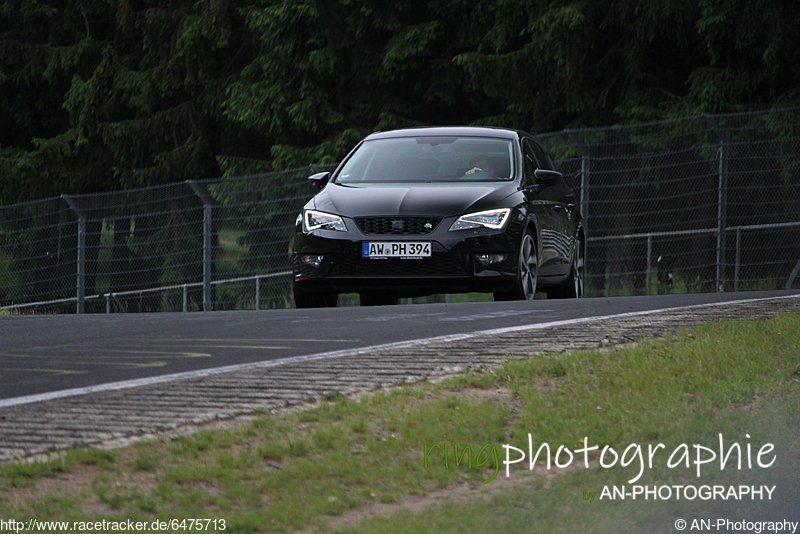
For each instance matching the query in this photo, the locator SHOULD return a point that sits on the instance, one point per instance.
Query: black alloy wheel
(572, 287)
(527, 270)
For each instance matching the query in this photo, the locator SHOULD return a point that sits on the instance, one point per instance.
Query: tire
(305, 299)
(376, 299)
(527, 271)
(572, 287)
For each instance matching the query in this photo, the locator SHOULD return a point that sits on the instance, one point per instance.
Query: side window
(542, 158)
(529, 160)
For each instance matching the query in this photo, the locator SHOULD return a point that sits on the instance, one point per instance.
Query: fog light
(487, 259)
(313, 260)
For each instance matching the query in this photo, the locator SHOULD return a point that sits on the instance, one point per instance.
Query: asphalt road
(40, 354)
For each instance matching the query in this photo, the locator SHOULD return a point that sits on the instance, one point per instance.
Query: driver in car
(480, 164)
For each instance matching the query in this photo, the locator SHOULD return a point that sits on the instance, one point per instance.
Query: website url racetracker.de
(157, 525)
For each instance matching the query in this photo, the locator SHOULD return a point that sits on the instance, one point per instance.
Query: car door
(554, 193)
(545, 209)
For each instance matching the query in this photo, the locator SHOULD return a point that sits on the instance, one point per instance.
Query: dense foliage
(108, 94)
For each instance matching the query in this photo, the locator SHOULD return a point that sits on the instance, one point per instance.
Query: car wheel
(527, 270)
(572, 287)
(305, 299)
(376, 299)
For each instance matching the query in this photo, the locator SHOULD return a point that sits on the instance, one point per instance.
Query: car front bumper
(467, 260)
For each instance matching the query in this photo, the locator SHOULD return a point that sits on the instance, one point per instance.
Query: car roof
(466, 131)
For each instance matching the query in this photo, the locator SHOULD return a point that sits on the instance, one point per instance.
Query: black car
(439, 210)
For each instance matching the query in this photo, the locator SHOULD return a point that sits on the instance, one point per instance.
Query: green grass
(563, 506)
(25, 474)
(301, 470)
(231, 251)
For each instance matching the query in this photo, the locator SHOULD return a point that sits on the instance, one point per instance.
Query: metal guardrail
(109, 297)
(649, 236)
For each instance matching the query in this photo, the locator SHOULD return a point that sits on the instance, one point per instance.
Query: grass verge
(359, 464)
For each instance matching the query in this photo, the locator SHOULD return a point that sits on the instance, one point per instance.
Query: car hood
(412, 199)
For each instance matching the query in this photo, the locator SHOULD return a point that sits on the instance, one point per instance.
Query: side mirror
(320, 179)
(548, 177)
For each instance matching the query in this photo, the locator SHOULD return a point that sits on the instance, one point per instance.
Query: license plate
(404, 250)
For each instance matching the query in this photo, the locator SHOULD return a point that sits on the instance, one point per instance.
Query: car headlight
(494, 219)
(313, 220)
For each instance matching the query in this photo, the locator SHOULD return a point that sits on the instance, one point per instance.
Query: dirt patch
(81, 479)
(459, 493)
(78, 479)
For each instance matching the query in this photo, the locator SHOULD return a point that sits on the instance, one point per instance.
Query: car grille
(398, 225)
(439, 265)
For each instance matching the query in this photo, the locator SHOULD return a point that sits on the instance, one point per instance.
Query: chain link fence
(706, 203)
(212, 244)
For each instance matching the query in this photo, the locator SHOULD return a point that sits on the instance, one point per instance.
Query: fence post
(722, 201)
(206, 200)
(258, 293)
(80, 291)
(585, 172)
(585, 169)
(584, 151)
(722, 215)
(738, 259)
(649, 263)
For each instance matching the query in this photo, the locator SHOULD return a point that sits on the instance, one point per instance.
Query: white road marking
(149, 381)
(25, 354)
(48, 371)
(492, 315)
(197, 341)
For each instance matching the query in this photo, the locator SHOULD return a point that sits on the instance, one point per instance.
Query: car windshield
(430, 159)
